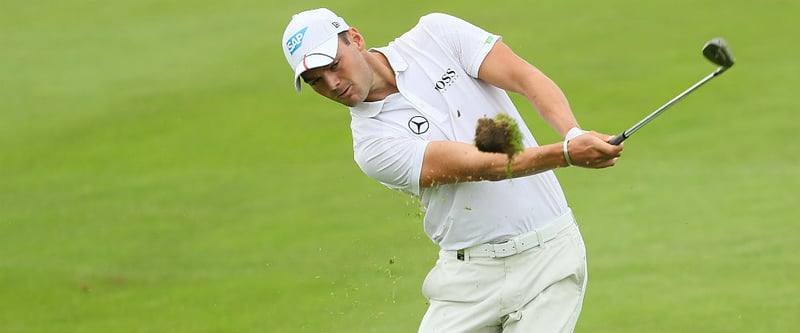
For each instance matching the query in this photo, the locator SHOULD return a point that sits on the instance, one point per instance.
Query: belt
(519, 243)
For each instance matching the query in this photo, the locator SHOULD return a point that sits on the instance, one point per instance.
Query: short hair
(343, 37)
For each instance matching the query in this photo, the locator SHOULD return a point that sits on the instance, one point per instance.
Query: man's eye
(312, 82)
(334, 65)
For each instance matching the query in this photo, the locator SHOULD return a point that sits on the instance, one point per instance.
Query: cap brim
(322, 55)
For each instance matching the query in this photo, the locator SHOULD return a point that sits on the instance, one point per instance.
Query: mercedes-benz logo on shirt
(418, 124)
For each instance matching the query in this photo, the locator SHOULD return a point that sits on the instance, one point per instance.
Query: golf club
(716, 51)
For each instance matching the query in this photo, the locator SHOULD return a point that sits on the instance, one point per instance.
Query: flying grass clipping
(499, 135)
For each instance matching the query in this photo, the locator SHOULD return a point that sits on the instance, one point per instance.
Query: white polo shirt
(436, 64)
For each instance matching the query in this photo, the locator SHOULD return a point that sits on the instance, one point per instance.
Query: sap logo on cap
(296, 40)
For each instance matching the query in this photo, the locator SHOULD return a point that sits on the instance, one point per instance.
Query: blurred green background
(158, 173)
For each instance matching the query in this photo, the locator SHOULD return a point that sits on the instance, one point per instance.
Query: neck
(384, 82)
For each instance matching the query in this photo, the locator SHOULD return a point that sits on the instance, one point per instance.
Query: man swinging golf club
(512, 258)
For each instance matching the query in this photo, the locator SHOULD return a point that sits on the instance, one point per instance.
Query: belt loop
(540, 238)
(517, 245)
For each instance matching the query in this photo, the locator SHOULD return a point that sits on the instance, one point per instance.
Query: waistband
(519, 243)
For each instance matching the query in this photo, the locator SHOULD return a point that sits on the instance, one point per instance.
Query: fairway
(158, 172)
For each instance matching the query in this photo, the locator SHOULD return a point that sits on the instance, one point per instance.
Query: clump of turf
(499, 135)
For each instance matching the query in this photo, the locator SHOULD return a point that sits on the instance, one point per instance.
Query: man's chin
(349, 100)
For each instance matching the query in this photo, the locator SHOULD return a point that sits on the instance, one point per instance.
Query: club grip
(618, 139)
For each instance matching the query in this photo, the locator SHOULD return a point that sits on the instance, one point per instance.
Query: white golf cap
(311, 40)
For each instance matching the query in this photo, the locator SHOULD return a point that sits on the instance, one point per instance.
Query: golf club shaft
(619, 138)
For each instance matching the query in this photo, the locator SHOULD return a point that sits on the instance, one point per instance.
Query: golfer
(512, 258)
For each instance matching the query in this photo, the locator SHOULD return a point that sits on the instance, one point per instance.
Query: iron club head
(716, 51)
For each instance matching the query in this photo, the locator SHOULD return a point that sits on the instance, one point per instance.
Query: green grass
(159, 174)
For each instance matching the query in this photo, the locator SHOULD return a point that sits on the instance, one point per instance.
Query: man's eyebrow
(309, 78)
(324, 68)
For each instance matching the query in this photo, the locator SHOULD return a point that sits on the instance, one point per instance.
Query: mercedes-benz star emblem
(418, 124)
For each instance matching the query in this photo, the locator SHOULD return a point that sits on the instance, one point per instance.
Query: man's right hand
(592, 150)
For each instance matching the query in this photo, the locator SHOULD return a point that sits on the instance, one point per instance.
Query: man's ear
(357, 38)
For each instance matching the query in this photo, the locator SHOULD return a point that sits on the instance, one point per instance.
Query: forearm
(506, 70)
(528, 162)
(538, 159)
(449, 162)
(549, 100)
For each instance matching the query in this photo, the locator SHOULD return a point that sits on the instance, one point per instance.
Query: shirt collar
(367, 109)
(372, 109)
(395, 59)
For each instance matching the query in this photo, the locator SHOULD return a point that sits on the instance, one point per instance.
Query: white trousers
(539, 290)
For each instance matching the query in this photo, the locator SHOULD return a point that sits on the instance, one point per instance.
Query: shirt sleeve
(470, 44)
(393, 159)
